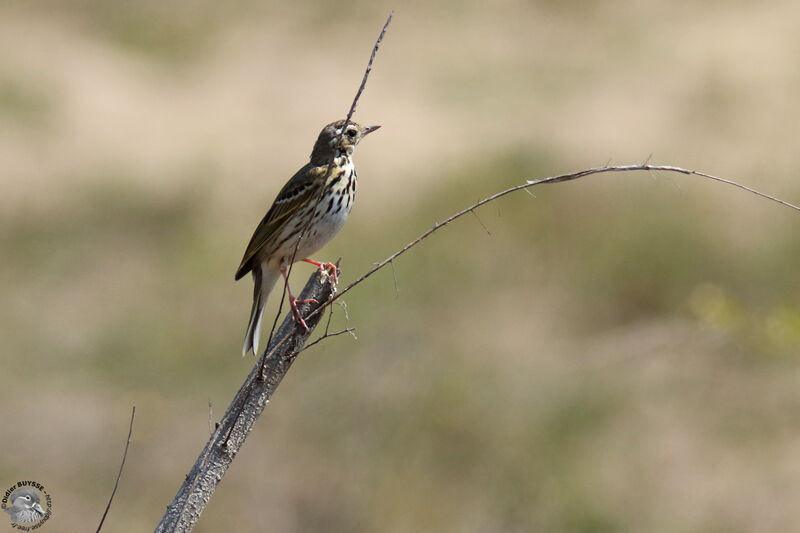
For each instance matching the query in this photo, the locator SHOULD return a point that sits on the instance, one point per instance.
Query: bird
(25, 506)
(315, 202)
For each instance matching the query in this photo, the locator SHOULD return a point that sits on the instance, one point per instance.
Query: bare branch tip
(121, 467)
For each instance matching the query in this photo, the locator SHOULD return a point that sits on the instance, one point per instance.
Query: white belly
(329, 217)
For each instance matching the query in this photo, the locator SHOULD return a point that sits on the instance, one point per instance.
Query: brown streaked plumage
(307, 193)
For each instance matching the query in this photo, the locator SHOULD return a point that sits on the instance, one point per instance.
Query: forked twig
(351, 331)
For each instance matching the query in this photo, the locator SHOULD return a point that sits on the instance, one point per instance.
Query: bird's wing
(298, 191)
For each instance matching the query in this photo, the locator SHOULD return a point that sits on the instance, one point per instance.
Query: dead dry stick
(284, 345)
(552, 179)
(532, 183)
(199, 485)
(228, 437)
(119, 474)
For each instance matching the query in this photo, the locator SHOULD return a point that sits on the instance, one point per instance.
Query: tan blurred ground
(619, 354)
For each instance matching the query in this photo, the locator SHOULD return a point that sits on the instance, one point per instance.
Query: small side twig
(119, 474)
(489, 233)
(351, 331)
(327, 333)
(394, 277)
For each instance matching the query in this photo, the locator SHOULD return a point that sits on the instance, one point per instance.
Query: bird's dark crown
(328, 142)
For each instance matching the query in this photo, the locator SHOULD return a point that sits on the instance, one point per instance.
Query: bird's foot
(294, 301)
(296, 312)
(334, 272)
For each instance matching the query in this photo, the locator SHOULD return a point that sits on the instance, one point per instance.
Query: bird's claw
(296, 312)
(325, 267)
(297, 316)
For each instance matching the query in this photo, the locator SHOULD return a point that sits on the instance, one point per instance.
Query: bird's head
(328, 140)
(25, 499)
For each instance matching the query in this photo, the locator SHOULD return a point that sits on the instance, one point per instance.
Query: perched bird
(307, 194)
(25, 506)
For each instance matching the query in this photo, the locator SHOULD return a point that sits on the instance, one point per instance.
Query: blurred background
(618, 353)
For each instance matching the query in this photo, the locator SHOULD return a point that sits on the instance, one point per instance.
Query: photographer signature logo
(28, 504)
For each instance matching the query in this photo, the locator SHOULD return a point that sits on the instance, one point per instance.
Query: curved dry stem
(119, 474)
(552, 179)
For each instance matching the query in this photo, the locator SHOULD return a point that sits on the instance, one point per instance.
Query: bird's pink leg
(325, 266)
(294, 301)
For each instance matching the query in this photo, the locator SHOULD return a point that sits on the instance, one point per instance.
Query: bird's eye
(351, 133)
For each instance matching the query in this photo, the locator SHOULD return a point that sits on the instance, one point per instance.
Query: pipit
(313, 204)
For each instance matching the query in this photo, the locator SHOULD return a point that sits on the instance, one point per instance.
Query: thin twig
(662, 168)
(119, 474)
(328, 172)
(369, 68)
(489, 233)
(327, 333)
(532, 183)
(328, 323)
(343, 305)
(219, 452)
(394, 277)
(351, 331)
(552, 179)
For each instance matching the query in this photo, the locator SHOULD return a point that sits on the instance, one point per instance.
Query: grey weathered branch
(231, 432)
(282, 349)
(251, 399)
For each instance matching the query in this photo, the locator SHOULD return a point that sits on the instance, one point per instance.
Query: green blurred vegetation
(453, 429)
(23, 103)
(618, 353)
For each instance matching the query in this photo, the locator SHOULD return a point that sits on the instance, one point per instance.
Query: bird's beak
(39, 508)
(370, 129)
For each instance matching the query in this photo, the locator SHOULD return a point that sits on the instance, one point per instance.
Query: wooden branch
(552, 179)
(282, 349)
(230, 433)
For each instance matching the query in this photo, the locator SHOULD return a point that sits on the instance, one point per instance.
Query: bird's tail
(263, 281)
